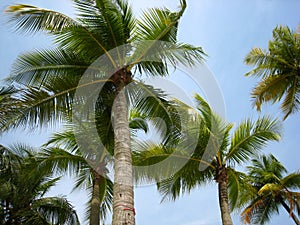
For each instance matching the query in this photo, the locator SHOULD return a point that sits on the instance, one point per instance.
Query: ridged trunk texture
(222, 180)
(123, 198)
(96, 201)
(287, 208)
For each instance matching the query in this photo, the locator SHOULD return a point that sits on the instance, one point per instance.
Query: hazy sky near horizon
(227, 30)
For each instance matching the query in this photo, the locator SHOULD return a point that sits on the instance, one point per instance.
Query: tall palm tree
(279, 70)
(102, 25)
(214, 157)
(63, 155)
(271, 188)
(23, 186)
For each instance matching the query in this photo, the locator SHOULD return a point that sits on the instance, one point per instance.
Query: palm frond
(269, 89)
(155, 57)
(249, 138)
(61, 161)
(32, 19)
(56, 210)
(266, 169)
(218, 129)
(291, 181)
(160, 24)
(105, 26)
(263, 62)
(239, 189)
(36, 67)
(35, 107)
(291, 102)
(162, 112)
(45, 186)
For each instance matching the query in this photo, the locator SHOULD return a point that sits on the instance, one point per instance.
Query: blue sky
(227, 30)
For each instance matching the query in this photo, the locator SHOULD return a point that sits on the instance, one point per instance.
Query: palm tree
(63, 155)
(54, 75)
(279, 69)
(270, 188)
(214, 156)
(23, 186)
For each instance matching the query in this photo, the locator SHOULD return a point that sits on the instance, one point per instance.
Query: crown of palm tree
(279, 70)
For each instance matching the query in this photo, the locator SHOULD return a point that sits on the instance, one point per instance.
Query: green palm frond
(36, 67)
(250, 137)
(155, 40)
(240, 190)
(160, 24)
(106, 18)
(291, 181)
(146, 154)
(34, 108)
(45, 186)
(64, 154)
(205, 110)
(162, 112)
(291, 102)
(31, 19)
(154, 57)
(157, 24)
(129, 21)
(104, 25)
(66, 139)
(44, 106)
(175, 169)
(63, 161)
(266, 169)
(219, 130)
(186, 179)
(6, 91)
(56, 210)
(8, 103)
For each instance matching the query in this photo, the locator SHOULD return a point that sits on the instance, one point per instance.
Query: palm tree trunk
(287, 208)
(123, 202)
(96, 201)
(222, 180)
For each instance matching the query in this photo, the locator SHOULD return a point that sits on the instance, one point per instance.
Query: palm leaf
(37, 67)
(271, 88)
(32, 19)
(56, 210)
(291, 101)
(239, 189)
(249, 138)
(291, 181)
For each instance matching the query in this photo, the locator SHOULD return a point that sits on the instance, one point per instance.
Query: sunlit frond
(31, 19)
